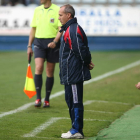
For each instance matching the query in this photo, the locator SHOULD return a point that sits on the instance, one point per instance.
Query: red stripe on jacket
(67, 37)
(79, 32)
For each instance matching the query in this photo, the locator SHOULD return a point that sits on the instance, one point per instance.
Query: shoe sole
(37, 105)
(72, 137)
(46, 106)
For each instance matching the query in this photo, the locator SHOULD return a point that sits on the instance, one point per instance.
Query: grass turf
(117, 88)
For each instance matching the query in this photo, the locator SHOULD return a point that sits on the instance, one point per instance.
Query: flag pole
(29, 61)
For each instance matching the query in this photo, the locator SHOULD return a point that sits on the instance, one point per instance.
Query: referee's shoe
(38, 103)
(46, 104)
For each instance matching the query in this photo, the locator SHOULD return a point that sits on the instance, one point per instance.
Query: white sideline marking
(24, 107)
(16, 110)
(102, 112)
(43, 126)
(92, 101)
(113, 72)
(97, 120)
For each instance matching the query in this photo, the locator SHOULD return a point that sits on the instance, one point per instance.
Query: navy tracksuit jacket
(74, 58)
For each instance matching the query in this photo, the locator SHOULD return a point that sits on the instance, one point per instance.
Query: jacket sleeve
(79, 44)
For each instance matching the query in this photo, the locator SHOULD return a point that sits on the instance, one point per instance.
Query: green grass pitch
(107, 98)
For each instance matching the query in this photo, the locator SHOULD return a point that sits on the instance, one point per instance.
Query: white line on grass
(24, 107)
(113, 72)
(16, 110)
(99, 101)
(97, 120)
(103, 112)
(43, 126)
(53, 120)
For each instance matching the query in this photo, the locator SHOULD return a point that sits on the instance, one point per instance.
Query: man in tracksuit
(75, 63)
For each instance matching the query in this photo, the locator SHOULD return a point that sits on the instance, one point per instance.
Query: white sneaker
(68, 135)
(65, 133)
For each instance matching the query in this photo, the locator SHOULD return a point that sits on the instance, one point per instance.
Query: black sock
(38, 85)
(49, 85)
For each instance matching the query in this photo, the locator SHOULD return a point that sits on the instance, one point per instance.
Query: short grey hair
(69, 9)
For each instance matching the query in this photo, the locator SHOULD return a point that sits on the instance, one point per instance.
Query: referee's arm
(31, 39)
(58, 36)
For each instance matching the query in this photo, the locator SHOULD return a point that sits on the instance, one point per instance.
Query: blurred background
(109, 24)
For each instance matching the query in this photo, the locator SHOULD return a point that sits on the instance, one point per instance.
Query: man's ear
(69, 15)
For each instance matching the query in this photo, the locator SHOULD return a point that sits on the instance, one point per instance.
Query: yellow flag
(29, 87)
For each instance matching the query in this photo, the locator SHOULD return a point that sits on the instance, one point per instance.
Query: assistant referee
(45, 30)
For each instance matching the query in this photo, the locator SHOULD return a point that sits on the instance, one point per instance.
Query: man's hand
(138, 85)
(51, 45)
(29, 51)
(91, 66)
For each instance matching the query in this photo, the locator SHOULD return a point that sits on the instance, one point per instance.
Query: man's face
(63, 17)
(43, 1)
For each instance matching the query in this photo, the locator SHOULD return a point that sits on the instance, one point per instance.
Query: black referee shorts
(41, 50)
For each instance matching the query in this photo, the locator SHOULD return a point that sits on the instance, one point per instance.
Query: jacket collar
(65, 26)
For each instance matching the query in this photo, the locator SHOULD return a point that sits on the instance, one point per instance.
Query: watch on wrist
(55, 42)
(29, 46)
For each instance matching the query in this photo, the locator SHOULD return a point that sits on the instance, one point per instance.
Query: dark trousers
(74, 100)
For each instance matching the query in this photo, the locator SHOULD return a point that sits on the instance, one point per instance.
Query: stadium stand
(77, 2)
(99, 42)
